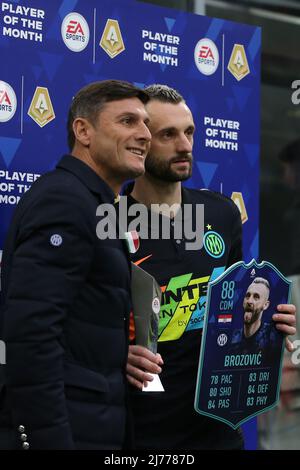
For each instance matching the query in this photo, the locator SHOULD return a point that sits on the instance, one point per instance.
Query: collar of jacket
(87, 176)
(185, 196)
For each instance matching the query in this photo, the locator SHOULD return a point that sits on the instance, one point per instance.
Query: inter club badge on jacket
(132, 241)
(241, 353)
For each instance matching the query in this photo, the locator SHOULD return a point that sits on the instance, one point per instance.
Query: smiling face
(255, 302)
(120, 139)
(172, 128)
(116, 142)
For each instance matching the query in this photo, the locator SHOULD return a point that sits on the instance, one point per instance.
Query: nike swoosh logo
(140, 261)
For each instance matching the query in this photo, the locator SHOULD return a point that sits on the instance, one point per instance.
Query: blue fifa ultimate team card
(241, 353)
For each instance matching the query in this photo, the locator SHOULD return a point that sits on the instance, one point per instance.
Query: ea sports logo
(206, 56)
(75, 32)
(8, 102)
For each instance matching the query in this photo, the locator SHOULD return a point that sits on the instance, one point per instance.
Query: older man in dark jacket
(65, 297)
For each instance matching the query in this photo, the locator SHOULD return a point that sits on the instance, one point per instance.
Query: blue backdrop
(51, 49)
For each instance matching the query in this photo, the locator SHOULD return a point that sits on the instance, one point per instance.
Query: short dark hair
(164, 93)
(89, 101)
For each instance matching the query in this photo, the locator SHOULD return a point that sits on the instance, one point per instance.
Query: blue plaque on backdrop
(241, 354)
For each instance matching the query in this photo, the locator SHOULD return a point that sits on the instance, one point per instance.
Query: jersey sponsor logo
(8, 102)
(214, 244)
(75, 32)
(238, 63)
(41, 109)
(111, 40)
(206, 56)
(183, 304)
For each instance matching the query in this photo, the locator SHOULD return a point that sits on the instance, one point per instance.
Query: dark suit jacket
(65, 303)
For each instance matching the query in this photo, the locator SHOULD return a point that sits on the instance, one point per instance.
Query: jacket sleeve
(52, 256)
